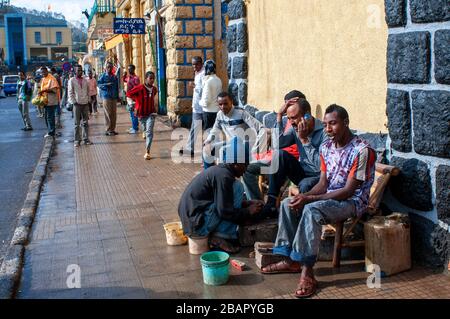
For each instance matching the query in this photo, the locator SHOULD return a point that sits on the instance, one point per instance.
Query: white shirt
(197, 95)
(78, 94)
(212, 86)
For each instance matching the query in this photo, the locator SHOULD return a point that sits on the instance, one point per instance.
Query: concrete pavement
(101, 215)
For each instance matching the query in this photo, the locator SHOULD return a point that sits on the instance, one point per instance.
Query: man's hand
(302, 131)
(191, 85)
(299, 201)
(207, 147)
(284, 107)
(254, 208)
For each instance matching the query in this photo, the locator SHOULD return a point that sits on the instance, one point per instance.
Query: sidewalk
(103, 206)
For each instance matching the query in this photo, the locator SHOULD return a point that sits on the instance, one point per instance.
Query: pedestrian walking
(108, 83)
(49, 89)
(145, 98)
(131, 80)
(24, 93)
(78, 93)
(92, 83)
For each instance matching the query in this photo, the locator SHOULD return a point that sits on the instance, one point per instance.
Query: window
(59, 37)
(37, 37)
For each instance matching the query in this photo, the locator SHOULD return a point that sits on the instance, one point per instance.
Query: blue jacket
(109, 86)
(309, 153)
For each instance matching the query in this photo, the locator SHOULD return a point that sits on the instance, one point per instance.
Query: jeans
(134, 119)
(299, 232)
(81, 116)
(289, 167)
(148, 122)
(50, 119)
(213, 225)
(25, 112)
(196, 130)
(250, 179)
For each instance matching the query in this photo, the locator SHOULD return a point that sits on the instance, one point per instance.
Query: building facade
(26, 39)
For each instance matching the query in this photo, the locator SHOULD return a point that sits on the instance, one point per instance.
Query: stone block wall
(237, 45)
(418, 110)
(189, 32)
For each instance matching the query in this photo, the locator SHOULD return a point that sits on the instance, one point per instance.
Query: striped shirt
(355, 160)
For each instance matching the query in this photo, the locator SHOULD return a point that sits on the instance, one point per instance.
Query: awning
(112, 42)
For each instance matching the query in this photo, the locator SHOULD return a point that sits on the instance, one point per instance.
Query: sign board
(129, 26)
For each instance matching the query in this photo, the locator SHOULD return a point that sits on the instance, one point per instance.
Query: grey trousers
(299, 232)
(81, 117)
(110, 106)
(196, 130)
(25, 112)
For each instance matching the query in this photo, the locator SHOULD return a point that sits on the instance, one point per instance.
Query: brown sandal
(307, 284)
(282, 267)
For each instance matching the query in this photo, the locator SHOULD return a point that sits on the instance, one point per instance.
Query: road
(19, 153)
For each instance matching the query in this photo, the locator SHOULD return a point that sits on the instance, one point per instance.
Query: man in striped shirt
(347, 165)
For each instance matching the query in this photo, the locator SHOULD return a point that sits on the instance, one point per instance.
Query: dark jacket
(214, 185)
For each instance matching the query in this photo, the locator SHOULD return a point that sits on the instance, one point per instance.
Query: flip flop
(282, 267)
(216, 243)
(308, 284)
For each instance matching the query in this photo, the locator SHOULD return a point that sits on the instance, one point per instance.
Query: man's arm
(261, 143)
(223, 198)
(71, 94)
(215, 130)
(312, 152)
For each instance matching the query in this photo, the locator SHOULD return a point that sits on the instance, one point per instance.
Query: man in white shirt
(212, 86)
(79, 96)
(197, 110)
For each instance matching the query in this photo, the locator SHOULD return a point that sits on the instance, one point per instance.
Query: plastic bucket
(215, 267)
(174, 234)
(198, 245)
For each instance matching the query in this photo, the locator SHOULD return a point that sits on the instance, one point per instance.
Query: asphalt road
(19, 153)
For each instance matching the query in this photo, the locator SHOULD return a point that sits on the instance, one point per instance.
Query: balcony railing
(102, 6)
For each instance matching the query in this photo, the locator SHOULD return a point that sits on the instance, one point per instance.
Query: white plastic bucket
(174, 234)
(198, 245)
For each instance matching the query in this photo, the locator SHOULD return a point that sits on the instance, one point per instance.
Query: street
(19, 153)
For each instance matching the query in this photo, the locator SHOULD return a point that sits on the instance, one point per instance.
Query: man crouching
(212, 204)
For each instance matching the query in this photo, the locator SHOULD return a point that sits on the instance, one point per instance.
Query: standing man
(347, 170)
(131, 80)
(24, 93)
(50, 89)
(58, 106)
(92, 83)
(79, 97)
(212, 86)
(197, 110)
(109, 92)
(145, 99)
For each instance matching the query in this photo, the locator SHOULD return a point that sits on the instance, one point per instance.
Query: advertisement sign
(129, 26)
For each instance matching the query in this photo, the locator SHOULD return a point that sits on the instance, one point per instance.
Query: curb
(11, 268)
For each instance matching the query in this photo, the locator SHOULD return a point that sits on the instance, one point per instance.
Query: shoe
(132, 131)
(143, 135)
(87, 142)
(269, 211)
(110, 134)
(28, 129)
(23, 128)
(47, 135)
(76, 144)
(114, 133)
(147, 156)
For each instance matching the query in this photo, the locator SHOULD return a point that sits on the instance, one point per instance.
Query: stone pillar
(418, 110)
(237, 44)
(136, 43)
(189, 32)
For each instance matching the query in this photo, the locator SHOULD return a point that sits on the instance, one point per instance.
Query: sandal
(216, 243)
(282, 267)
(308, 285)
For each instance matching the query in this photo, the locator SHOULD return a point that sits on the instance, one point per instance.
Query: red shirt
(144, 98)
(293, 149)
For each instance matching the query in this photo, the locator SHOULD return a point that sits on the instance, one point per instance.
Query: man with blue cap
(212, 204)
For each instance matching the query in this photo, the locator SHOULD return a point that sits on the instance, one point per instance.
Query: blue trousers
(134, 120)
(148, 123)
(214, 225)
(50, 119)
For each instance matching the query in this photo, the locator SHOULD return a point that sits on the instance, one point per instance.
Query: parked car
(10, 84)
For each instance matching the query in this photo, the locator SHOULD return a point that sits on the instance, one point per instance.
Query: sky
(71, 9)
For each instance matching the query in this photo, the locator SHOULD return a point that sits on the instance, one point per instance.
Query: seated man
(250, 177)
(232, 122)
(307, 132)
(347, 173)
(212, 204)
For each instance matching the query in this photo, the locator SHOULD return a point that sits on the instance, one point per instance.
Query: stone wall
(237, 45)
(189, 32)
(418, 110)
